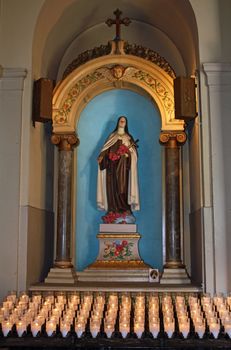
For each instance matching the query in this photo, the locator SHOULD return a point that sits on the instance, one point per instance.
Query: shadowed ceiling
(165, 25)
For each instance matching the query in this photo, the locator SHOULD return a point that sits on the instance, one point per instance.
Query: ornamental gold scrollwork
(114, 73)
(65, 142)
(61, 116)
(179, 136)
(114, 264)
(158, 88)
(129, 49)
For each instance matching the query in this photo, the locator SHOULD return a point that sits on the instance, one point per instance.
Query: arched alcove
(97, 121)
(75, 92)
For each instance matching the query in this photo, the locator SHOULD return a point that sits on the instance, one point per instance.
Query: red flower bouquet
(122, 150)
(111, 217)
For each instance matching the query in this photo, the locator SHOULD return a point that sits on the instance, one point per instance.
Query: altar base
(118, 258)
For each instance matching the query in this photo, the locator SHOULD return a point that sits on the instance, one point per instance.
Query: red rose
(122, 150)
(119, 248)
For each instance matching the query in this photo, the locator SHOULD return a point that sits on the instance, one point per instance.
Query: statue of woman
(117, 187)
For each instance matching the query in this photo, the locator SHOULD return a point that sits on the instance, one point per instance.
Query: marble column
(65, 144)
(63, 267)
(173, 267)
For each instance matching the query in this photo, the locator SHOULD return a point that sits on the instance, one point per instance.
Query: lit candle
(108, 328)
(169, 328)
(64, 328)
(35, 328)
(24, 297)
(124, 328)
(50, 327)
(214, 329)
(12, 296)
(20, 327)
(200, 329)
(79, 328)
(94, 328)
(228, 328)
(139, 329)
(184, 328)
(154, 328)
(6, 327)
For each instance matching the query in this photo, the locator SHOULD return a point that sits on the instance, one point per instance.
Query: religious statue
(117, 187)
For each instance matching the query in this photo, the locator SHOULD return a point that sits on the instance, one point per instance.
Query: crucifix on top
(118, 21)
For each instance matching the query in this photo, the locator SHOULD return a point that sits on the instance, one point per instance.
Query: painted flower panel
(118, 250)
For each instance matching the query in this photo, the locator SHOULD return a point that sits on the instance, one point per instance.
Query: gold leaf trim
(118, 235)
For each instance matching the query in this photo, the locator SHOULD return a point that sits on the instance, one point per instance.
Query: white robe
(133, 189)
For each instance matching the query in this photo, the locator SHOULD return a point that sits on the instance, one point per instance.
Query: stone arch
(105, 73)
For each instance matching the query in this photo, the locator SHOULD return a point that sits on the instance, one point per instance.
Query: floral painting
(118, 250)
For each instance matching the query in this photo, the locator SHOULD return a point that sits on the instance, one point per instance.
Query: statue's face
(122, 122)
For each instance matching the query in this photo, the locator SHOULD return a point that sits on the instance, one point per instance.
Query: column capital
(174, 138)
(65, 142)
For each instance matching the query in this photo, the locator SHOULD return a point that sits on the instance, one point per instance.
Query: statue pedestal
(118, 259)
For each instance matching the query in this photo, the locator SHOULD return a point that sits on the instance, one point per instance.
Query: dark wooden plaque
(42, 100)
(185, 98)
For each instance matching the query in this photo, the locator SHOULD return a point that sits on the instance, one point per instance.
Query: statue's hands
(100, 158)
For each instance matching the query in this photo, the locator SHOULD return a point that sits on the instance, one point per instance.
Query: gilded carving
(158, 87)
(65, 142)
(86, 56)
(149, 55)
(61, 116)
(113, 73)
(129, 49)
(114, 264)
(118, 71)
(179, 136)
(118, 235)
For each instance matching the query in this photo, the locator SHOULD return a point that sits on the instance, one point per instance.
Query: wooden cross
(117, 21)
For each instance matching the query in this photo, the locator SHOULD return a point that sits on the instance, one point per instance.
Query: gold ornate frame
(112, 72)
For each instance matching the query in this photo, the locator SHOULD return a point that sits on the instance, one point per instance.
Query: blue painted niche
(97, 121)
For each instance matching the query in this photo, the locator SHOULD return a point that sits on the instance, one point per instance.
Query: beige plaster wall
(27, 180)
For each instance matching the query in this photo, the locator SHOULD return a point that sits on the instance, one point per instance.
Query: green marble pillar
(172, 142)
(66, 144)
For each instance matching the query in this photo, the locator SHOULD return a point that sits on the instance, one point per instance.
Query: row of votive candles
(106, 312)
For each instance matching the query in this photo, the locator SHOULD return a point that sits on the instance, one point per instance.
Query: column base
(61, 276)
(175, 276)
(63, 264)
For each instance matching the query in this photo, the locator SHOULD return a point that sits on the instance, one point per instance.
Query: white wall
(11, 90)
(214, 116)
(23, 147)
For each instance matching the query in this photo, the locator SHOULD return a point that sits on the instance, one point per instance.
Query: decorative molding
(65, 142)
(158, 88)
(127, 49)
(179, 137)
(61, 117)
(114, 264)
(217, 74)
(114, 73)
(12, 78)
(150, 55)
(73, 93)
(86, 56)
